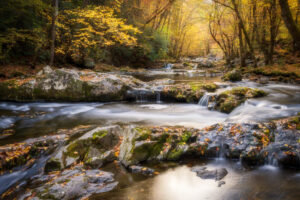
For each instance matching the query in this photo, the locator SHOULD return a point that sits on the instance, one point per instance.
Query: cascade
(169, 66)
(204, 100)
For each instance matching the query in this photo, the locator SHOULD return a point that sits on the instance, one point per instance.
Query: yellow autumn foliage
(82, 31)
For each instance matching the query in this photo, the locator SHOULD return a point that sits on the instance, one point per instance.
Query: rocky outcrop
(233, 76)
(76, 183)
(166, 92)
(217, 174)
(94, 148)
(254, 144)
(227, 101)
(68, 85)
(27, 152)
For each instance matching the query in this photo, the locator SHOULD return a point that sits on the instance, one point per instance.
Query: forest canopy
(139, 32)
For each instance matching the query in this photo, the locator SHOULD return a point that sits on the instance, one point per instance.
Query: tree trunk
(53, 32)
(242, 52)
(236, 9)
(290, 23)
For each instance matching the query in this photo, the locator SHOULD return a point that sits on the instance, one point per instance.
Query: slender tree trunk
(298, 12)
(53, 32)
(236, 9)
(290, 23)
(273, 29)
(242, 51)
(254, 26)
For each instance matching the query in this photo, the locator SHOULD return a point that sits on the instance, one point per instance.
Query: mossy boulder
(230, 99)
(94, 148)
(181, 93)
(68, 85)
(233, 76)
(153, 143)
(209, 87)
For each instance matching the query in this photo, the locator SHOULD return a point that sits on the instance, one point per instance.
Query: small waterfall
(169, 66)
(140, 96)
(204, 100)
(158, 97)
(195, 66)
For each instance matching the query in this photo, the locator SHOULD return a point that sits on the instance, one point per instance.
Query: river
(29, 120)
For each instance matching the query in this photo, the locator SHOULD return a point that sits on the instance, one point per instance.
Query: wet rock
(230, 99)
(203, 173)
(68, 85)
(181, 93)
(94, 148)
(285, 147)
(26, 153)
(141, 170)
(161, 143)
(220, 183)
(75, 184)
(233, 76)
(198, 168)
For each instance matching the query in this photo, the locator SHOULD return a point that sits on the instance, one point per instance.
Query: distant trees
(137, 32)
(87, 32)
(258, 26)
(290, 23)
(53, 31)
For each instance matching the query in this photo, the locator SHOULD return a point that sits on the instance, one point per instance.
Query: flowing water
(30, 120)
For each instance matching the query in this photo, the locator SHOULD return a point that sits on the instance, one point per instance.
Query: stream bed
(30, 120)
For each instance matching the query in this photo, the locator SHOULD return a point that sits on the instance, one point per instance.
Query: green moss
(267, 72)
(255, 93)
(233, 76)
(100, 134)
(78, 149)
(229, 104)
(144, 133)
(175, 154)
(210, 87)
(230, 99)
(186, 136)
(53, 165)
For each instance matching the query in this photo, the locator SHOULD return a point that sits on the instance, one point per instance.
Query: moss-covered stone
(100, 134)
(230, 99)
(53, 165)
(144, 133)
(233, 76)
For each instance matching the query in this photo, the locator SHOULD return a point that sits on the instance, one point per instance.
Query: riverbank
(163, 124)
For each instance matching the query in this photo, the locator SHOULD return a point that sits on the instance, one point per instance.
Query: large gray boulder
(76, 183)
(94, 148)
(68, 85)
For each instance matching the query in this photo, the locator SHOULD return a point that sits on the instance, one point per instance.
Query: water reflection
(180, 183)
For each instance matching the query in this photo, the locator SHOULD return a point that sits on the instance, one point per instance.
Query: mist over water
(30, 120)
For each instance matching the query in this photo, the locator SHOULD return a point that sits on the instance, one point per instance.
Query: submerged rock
(220, 183)
(74, 184)
(141, 170)
(217, 174)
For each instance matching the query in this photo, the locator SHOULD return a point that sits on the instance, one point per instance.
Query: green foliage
(22, 28)
(151, 46)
